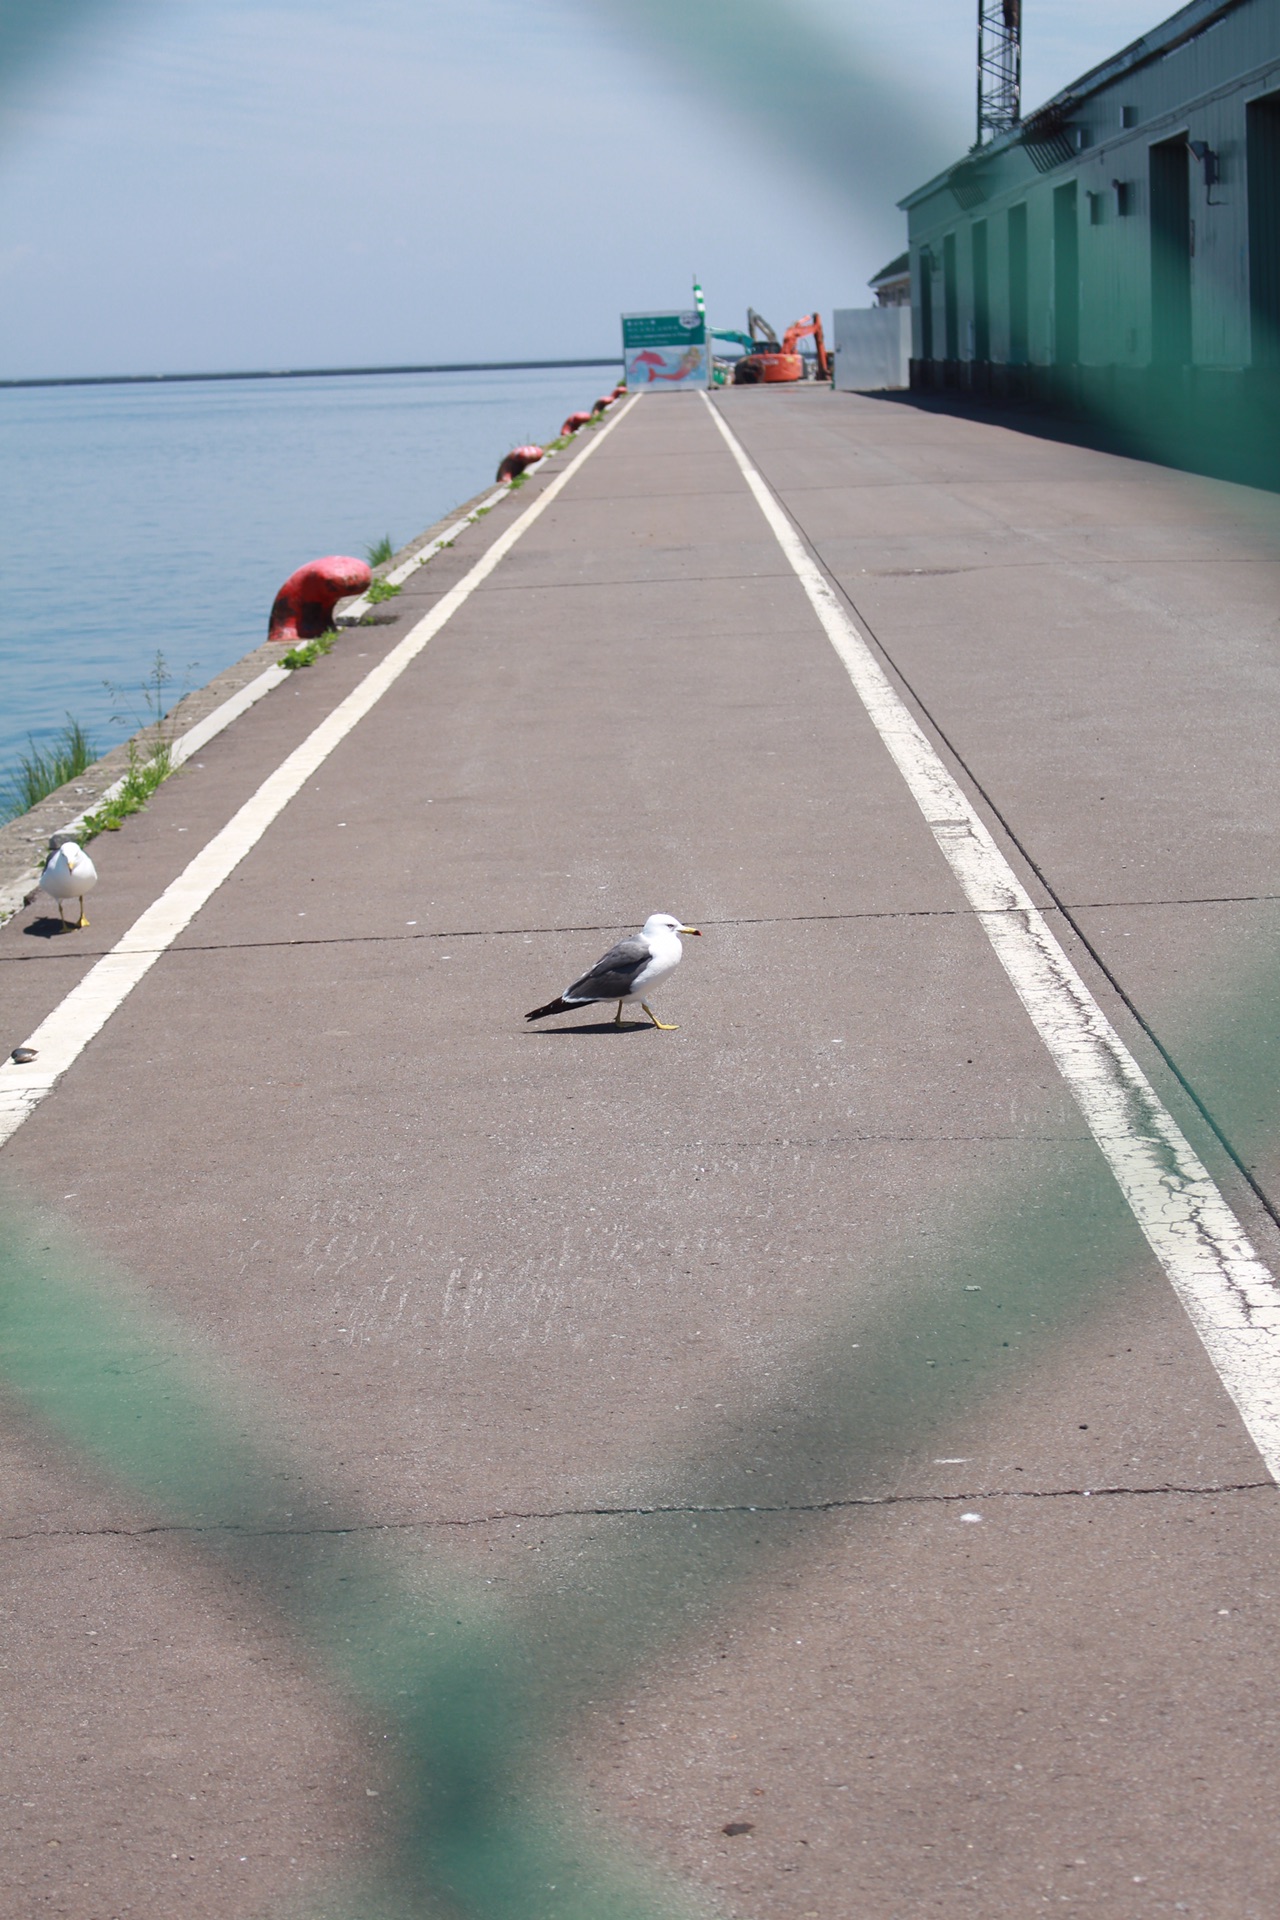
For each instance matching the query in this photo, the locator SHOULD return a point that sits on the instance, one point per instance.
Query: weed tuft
(141, 781)
(380, 552)
(42, 770)
(156, 704)
(309, 650)
(379, 591)
(150, 762)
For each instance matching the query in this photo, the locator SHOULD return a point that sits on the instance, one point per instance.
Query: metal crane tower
(999, 67)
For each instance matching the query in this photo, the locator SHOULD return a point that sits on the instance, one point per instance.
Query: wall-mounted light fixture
(1124, 197)
(1208, 159)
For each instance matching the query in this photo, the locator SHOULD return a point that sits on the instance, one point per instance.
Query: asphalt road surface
(793, 1392)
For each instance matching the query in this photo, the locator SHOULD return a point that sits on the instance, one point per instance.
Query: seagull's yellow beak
(697, 930)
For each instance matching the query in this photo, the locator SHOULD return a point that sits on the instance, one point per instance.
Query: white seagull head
(659, 924)
(71, 866)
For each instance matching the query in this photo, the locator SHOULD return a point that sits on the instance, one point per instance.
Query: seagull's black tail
(553, 1006)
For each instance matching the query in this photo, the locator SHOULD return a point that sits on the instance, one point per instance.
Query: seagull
(627, 970)
(69, 874)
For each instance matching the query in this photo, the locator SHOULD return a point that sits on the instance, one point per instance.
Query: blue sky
(223, 183)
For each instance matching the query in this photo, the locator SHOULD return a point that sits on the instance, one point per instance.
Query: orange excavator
(768, 361)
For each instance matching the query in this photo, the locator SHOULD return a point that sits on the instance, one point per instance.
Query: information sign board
(664, 351)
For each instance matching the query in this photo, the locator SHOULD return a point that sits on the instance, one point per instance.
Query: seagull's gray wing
(614, 974)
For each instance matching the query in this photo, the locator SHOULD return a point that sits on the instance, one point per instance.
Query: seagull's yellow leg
(664, 1026)
(62, 918)
(617, 1018)
(83, 921)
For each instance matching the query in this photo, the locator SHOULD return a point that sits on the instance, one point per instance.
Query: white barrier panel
(872, 347)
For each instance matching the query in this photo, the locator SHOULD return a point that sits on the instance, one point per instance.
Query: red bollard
(517, 460)
(605, 400)
(304, 606)
(575, 421)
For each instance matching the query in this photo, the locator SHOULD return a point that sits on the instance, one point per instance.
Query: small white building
(892, 285)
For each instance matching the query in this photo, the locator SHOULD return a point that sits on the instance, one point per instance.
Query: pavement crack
(1062, 908)
(1166, 1489)
(499, 933)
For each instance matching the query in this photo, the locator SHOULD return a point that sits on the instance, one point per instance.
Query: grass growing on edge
(156, 706)
(141, 781)
(380, 590)
(149, 766)
(380, 552)
(308, 650)
(41, 771)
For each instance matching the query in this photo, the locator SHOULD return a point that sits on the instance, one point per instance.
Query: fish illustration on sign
(690, 361)
(654, 364)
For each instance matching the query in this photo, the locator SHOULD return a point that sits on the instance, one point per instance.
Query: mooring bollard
(517, 460)
(303, 608)
(575, 421)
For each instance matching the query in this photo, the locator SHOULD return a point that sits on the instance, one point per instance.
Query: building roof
(894, 271)
(1173, 32)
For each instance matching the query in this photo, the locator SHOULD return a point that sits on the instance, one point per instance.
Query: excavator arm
(763, 337)
(800, 330)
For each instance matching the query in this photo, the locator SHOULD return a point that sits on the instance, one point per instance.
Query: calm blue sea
(137, 520)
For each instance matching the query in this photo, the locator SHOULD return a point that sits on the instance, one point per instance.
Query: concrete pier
(793, 1397)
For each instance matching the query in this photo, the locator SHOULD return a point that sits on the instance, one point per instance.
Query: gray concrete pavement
(841, 1241)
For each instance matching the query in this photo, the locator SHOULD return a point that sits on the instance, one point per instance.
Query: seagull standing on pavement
(69, 874)
(629, 970)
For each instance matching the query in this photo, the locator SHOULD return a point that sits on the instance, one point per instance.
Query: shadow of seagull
(594, 1026)
(48, 927)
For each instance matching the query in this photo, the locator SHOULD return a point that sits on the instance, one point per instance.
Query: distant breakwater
(303, 373)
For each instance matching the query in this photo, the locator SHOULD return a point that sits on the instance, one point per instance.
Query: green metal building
(1117, 252)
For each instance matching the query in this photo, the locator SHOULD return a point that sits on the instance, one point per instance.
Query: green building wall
(1154, 334)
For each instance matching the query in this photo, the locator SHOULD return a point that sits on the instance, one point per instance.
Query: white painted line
(62, 1037)
(198, 737)
(355, 610)
(1230, 1296)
